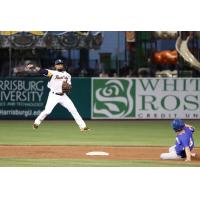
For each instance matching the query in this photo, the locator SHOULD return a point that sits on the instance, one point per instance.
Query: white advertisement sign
(167, 98)
(146, 98)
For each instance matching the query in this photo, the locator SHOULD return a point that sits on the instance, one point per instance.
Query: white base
(97, 153)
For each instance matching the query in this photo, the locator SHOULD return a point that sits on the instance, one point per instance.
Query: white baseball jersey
(55, 85)
(57, 78)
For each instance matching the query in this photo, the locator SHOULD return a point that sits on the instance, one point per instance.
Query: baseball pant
(65, 101)
(171, 155)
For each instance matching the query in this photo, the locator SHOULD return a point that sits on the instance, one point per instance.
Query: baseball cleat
(35, 126)
(85, 129)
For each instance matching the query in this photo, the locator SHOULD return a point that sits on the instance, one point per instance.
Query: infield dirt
(63, 152)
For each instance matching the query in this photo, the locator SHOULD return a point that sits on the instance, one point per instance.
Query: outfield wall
(25, 98)
(105, 98)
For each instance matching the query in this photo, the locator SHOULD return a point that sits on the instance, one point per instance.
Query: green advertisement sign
(21, 98)
(25, 98)
(105, 98)
(113, 98)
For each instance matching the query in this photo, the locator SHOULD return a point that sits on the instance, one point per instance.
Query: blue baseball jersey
(184, 140)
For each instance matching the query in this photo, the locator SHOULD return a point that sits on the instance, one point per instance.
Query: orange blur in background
(165, 57)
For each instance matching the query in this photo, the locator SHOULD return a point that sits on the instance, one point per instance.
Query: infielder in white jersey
(56, 94)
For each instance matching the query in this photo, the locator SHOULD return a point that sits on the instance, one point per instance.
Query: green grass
(106, 133)
(114, 133)
(19, 162)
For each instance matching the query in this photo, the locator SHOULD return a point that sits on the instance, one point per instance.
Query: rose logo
(115, 99)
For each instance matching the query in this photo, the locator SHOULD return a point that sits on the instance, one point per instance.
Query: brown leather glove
(66, 87)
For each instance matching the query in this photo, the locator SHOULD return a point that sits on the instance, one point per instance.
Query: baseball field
(133, 143)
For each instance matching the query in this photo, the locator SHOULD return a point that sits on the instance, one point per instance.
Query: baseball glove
(66, 87)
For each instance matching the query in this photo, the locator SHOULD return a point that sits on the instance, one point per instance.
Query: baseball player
(59, 85)
(184, 142)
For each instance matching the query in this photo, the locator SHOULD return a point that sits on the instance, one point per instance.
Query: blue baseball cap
(59, 61)
(178, 124)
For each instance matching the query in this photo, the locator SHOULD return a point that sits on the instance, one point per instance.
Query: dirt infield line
(63, 152)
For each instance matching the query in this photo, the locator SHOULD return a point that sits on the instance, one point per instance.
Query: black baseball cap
(59, 61)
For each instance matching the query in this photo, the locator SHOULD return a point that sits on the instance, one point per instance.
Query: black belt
(60, 94)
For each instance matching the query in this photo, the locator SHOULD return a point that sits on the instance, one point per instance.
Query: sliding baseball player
(60, 86)
(184, 142)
